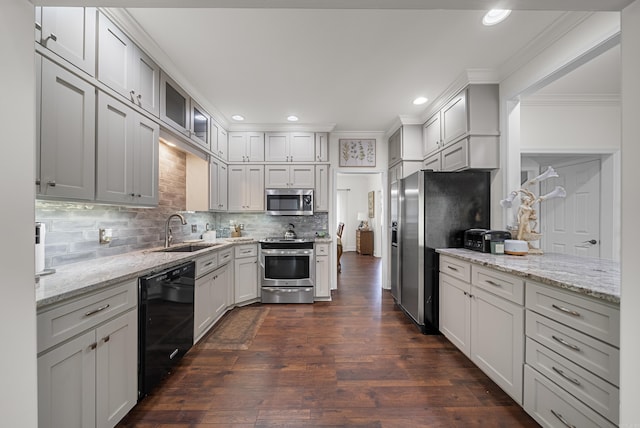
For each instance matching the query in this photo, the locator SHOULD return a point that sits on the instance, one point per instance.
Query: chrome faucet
(168, 237)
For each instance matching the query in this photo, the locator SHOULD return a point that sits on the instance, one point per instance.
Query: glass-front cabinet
(199, 125)
(174, 105)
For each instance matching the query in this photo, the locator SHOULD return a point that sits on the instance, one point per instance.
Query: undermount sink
(187, 248)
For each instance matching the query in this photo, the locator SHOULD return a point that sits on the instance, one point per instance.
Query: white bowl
(516, 247)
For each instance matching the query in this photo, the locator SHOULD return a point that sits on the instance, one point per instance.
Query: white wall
(630, 316)
(17, 306)
(555, 125)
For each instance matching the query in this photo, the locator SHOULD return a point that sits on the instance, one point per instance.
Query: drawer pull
(570, 379)
(452, 268)
(561, 419)
(95, 311)
(208, 264)
(565, 343)
(565, 310)
(488, 281)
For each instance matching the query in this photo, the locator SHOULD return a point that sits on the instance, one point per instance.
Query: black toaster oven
(480, 239)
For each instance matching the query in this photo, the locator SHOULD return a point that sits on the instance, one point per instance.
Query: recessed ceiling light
(495, 16)
(237, 117)
(420, 100)
(292, 118)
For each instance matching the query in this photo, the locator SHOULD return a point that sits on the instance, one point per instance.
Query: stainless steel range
(287, 270)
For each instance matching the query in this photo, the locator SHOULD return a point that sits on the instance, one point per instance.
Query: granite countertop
(593, 277)
(79, 278)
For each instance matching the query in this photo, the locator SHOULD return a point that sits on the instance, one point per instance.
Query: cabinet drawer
(322, 249)
(69, 319)
(551, 406)
(456, 268)
(246, 251)
(501, 284)
(594, 318)
(206, 264)
(595, 356)
(225, 256)
(601, 396)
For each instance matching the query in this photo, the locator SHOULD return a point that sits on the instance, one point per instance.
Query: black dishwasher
(165, 328)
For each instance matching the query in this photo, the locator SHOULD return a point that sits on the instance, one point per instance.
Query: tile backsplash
(72, 228)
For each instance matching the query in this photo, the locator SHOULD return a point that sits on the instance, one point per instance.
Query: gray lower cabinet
(246, 273)
(481, 313)
(65, 143)
(87, 370)
(572, 370)
(127, 158)
(211, 288)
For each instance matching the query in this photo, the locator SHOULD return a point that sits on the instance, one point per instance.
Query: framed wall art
(357, 152)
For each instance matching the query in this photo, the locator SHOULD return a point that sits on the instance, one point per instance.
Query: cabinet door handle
(565, 310)
(51, 183)
(139, 99)
(570, 379)
(565, 343)
(95, 311)
(561, 419)
(51, 36)
(38, 26)
(132, 93)
(93, 346)
(37, 182)
(452, 268)
(133, 195)
(106, 339)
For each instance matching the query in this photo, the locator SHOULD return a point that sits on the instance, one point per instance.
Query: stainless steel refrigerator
(435, 210)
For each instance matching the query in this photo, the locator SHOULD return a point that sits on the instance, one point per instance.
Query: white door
(572, 225)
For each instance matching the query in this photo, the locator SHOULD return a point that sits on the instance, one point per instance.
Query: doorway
(356, 193)
(583, 223)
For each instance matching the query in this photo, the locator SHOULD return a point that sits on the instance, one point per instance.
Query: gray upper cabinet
(454, 118)
(66, 143)
(464, 134)
(126, 69)
(246, 146)
(127, 162)
(69, 32)
(290, 146)
(405, 144)
(322, 146)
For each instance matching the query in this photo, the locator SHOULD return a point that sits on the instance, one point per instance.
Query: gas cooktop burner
(279, 239)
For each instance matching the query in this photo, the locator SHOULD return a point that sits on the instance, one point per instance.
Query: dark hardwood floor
(355, 361)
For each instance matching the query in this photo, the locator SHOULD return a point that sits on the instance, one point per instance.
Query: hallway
(355, 361)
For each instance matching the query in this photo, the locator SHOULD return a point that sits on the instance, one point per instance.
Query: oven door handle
(287, 252)
(287, 289)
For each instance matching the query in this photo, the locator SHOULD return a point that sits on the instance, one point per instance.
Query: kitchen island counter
(79, 278)
(593, 277)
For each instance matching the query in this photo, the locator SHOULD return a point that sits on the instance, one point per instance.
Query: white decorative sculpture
(527, 217)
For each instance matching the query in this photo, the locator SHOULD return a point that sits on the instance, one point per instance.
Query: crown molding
(580, 100)
(281, 127)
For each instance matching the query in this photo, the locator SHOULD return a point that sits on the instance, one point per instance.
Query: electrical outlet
(105, 235)
(194, 228)
(241, 226)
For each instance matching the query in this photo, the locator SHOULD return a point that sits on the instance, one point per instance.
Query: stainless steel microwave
(289, 201)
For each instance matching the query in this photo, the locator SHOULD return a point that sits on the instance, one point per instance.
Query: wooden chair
(339, 240)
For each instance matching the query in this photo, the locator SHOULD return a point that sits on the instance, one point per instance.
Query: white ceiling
(357, 68)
